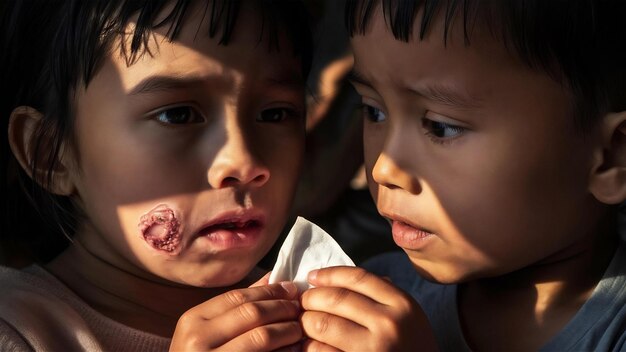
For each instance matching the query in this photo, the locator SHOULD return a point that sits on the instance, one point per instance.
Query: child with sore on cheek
(172, 134)
(495, 144)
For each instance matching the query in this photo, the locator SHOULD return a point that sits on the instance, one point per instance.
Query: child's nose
(235, 166)
(388, 173)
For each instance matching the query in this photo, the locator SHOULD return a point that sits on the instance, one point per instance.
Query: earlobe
(608, 176)
(23, 124)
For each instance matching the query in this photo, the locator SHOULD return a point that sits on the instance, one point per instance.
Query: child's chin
(223, 278)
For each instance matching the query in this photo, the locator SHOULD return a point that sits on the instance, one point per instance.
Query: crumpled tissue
(306, 248)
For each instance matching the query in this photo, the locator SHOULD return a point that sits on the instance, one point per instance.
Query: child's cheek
(161, 229)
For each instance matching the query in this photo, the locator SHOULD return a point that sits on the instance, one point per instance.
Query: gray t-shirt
(599, 325)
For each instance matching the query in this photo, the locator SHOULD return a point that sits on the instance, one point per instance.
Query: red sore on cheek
(161, 229)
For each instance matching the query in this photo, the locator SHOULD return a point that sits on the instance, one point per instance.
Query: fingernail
(312, 275)
(289, 286)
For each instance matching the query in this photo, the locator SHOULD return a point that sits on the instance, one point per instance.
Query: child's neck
(140, 303)
(523, 310)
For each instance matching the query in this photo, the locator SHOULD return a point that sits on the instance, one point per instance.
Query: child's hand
(351, 309)
(258, 318)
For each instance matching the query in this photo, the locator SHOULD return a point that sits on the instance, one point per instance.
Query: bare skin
(523, 310)
(474, 159)
(353, 310)
(214, 135)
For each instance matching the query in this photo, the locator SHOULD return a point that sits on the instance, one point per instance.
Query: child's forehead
(430, 56)
(197, 27)
(195, 56)
(479, 30)
(131, 32)
(226, 69)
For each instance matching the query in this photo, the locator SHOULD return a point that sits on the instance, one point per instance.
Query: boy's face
(189, 157)
(473, 156)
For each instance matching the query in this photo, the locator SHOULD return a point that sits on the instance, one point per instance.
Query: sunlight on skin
(424, 261)
(476, 160)
(190, 167)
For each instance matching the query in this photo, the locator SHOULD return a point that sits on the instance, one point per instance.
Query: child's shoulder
(23, 288)
(29, 288)
(600, 324)
(39, 311)
(27, 302)
(32, 310)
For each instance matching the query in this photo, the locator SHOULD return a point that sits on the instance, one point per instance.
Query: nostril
(257, 180)
(260, 179)
(230, 181)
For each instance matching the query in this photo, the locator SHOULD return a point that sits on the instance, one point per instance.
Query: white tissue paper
(307, 247)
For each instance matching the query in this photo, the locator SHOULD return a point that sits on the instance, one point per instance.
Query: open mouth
(232, 225)
(421, 230)
(229, 232)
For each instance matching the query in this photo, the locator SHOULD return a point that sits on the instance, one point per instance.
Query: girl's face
(471, 155)
(189, 157)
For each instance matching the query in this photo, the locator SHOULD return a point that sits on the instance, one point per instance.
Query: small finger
(249, 316)
(358, 280)
(296, 347)
(342, 302)
(316, 346)
(266, 338)
(333, 330)
(229, 300)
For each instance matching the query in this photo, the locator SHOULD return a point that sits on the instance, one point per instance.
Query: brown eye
(274, 115)
(441, 129)
(178, 116)
(373, 114)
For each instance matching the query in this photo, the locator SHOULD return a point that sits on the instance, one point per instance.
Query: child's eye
(275, 115)
(179, 115)
(373, 114)
(441, 131)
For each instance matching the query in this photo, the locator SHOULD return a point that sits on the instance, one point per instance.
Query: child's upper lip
(240, 215)
(394, 216)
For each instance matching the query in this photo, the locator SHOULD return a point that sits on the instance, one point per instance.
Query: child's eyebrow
(435, 92)
(164, 83)
(161, 83)
(445, 95)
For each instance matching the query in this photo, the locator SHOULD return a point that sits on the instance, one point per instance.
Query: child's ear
(23, 123)
(608, 176)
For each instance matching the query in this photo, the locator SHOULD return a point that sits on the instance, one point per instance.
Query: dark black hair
(579, 43)
(50, 48)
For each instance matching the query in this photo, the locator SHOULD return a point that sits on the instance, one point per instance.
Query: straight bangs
(578, 43)
(94, 28)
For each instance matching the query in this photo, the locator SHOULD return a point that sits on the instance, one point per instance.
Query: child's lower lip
(409, 237)
(224, 239)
